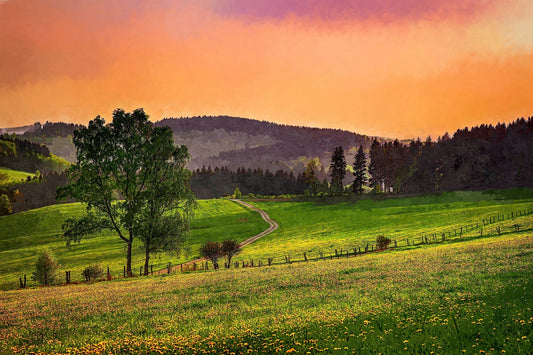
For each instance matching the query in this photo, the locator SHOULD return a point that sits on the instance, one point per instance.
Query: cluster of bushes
(215, 250)
(46, 270)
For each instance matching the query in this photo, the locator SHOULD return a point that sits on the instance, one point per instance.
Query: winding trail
(272, 227)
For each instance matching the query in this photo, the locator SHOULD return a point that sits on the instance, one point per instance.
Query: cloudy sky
(397, 68)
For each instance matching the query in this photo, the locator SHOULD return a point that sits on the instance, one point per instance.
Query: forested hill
(239, 142)
(232, 142)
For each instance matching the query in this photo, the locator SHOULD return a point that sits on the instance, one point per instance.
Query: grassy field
(9, 177)
(314, 227)
(24, 235)
(467, 294)
(474, 297)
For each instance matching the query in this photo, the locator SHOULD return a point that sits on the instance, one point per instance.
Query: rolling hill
(226, 141)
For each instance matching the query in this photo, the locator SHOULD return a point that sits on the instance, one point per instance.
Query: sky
(393, 68)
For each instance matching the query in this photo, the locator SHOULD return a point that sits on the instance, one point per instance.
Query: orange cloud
(74, 60)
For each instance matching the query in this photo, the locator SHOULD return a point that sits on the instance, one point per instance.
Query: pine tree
(337, 170)
(359, 171)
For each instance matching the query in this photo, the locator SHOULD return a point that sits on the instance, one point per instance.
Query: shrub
(5, 205)
(237, 193)
(212, 251)
(93, 272)
(230, 247)
(45, 269)
(382, 242)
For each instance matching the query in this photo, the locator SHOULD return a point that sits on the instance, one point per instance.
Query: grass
(24, 235)
(469, 294)
(314, 227)
(471, 297)
(10, 177)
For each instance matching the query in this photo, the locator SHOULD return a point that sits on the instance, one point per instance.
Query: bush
(230, 247)
(5, 205)
(212, 251)
(237, 193)
(382, 242)
(45, 269)
(93, 272)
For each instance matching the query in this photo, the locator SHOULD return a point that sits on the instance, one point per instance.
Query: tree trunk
(146, 258)
(128, 257)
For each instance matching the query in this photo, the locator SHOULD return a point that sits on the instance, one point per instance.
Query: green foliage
(229, 248)
(74, 229)
(46, 268)
(337, 170)
(310, 176)
(237, 193)
(5, 205)
(7, 149)
(211, 251)
(382, 242)
(359, 171)
(93, 272)
(130, 174)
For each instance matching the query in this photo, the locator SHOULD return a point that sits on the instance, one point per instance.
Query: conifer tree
(337, 170)
(359, 171)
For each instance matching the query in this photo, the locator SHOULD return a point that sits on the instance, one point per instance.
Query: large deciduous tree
(337, 170)
(133, 180)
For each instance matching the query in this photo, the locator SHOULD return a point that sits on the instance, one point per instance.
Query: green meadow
(318, 227)
(9, 177)
(24, 235)
(474, 297)
(469, 293)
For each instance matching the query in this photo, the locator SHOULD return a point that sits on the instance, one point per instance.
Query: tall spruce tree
(337, 170)
(359, 171)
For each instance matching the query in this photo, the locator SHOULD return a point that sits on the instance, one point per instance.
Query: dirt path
(272, 227)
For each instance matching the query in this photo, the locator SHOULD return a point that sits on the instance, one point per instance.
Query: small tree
(237, 193)
(212, 251)
(382, 242)
(230, 247)
(45, 269)
(359, 171)
(310, 175)
(337, 170)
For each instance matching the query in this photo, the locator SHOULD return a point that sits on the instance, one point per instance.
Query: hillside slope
(24, 235)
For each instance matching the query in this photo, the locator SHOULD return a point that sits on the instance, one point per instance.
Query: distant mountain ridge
(240, 142)
(227, 141)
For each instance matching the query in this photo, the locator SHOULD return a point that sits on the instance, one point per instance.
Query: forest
(483, 157)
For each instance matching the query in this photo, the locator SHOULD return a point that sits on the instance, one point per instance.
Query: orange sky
(378, 67)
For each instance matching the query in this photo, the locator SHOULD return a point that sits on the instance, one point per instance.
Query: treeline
(21, 154)
(218, 182)
(483, 157)
(35, 192)
(52, 129)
